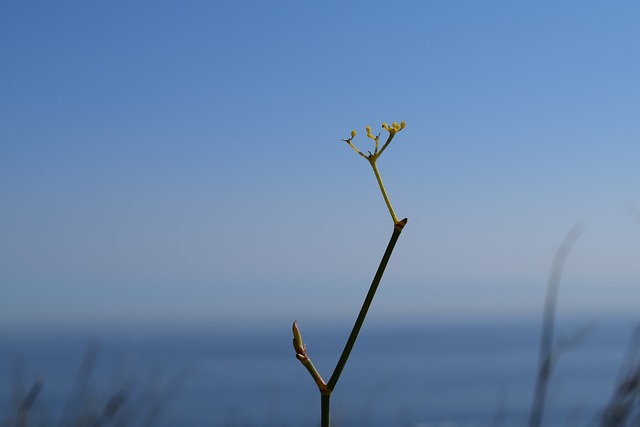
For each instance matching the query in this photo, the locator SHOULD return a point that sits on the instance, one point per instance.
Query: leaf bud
(298, 345)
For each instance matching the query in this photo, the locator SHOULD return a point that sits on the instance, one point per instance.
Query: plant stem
(325, 403)
(314, 373)
(547, 352)
(372, 161)
(397, 229)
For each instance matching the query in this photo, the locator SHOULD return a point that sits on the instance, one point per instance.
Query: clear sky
(180, 161)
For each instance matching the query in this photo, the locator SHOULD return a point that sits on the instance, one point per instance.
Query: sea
(419, 374)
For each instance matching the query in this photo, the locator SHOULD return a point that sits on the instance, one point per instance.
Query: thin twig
(27, 403)
(548, 356)
(397, 229)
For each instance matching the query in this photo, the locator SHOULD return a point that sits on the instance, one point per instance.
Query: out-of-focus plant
(326, 388)
(550, 349)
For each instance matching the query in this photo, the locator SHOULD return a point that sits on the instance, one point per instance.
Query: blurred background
(175, 169)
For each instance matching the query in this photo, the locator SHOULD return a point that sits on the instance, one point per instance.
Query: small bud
(385, 126)
(369, 135)
(298, 345)
(402, 124)
(353, 133)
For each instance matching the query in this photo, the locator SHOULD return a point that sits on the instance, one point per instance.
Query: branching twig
(398, 225)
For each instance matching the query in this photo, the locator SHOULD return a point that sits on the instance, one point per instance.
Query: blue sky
(181, 161)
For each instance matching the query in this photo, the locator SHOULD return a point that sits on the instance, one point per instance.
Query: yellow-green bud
(402, 124)
(298, 345)
(353, 133)
(385, 126)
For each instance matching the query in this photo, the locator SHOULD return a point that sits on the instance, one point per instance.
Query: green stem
(372, 161)
(325, 403)
(397, 229)
(314, 373)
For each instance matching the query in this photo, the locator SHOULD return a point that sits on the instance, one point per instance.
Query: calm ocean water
(462, 375)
